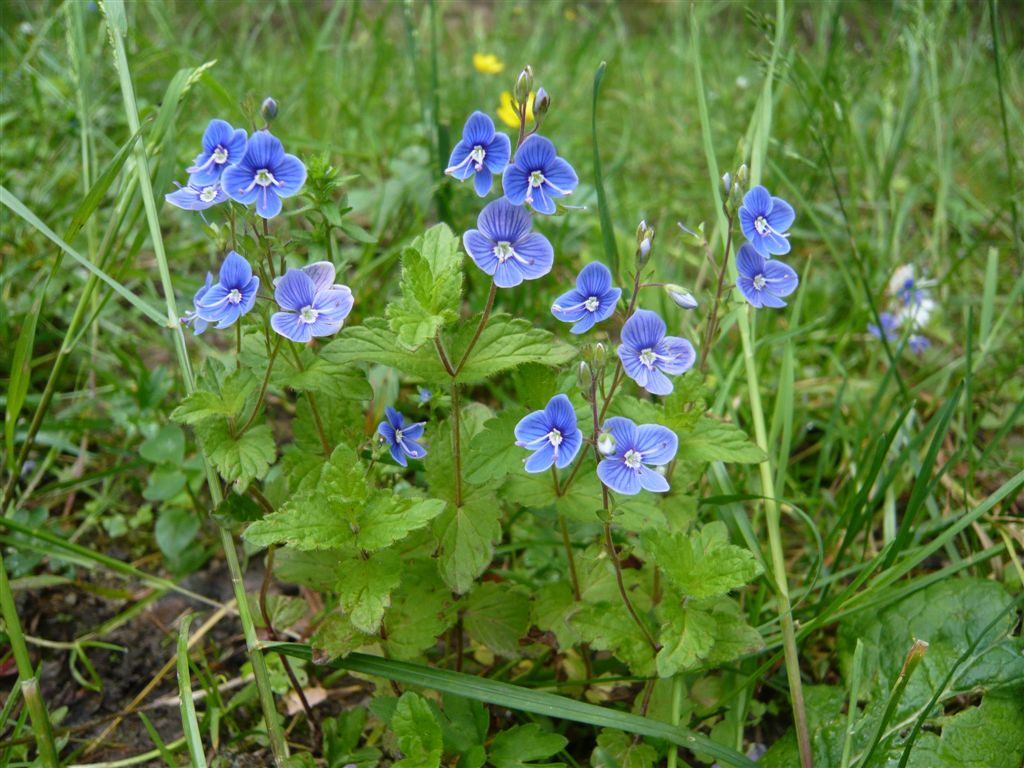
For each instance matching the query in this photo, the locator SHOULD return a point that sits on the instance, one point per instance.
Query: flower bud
(742, 174)
(268, 110)
(644, 243)
(681, 296)
(585, 379)
(606, 443)
(726, 183)
(524, 84)
(541, 102)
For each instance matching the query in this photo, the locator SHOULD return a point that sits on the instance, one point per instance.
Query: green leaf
(466, 536)
(616, 749)
(238, 459)
(504, 344)
(336, 637)
(21, 373)
(687, 636)
(523, 744)
(418, 732)
(167, 446)
(701, 565)
(713, 440)
(365, 588)
(175, 530)
(420, 611)
(492, 454)
(236, 509)
(164, 484)
(375, 342)
(431, 287)
(608, 626)
(464, 723)
(497, 615)
(990, 735)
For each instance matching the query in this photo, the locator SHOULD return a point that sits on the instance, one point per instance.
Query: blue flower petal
(680, 353)
(481, 249)
(616, 475)
(479, 130)
(658, 383)
(542, 459)
(781, 216)
(570, 446)
(268, 204)
(289, 325)
(295, 290)
(541, 201)
(561, 414)
(236, 182)
(651, 481)
(458, 166)
(386, 431)
(532, 427)
(322, 274)
(249, 295)
(235, 272)
(750, 293)
(263, 151)
(630, 357)
(236, 146)
(412, 448)
(536, 251)
(218, 132)
(747, 225)
(508, 274)
(758, 201)
(585, 323)
(643, 330)
(781, 279)
(501, 221)
(334, 304)
(595, 279)
(749, 262)
(413, 431)
(773, 244)
(482, 182)
(395, 419)
(514, 184)
(498, 153)
(398, 455)
(535, 154)
(561, 175)
(623, 430)
(569, 306)
(290, 174)
(657, 444)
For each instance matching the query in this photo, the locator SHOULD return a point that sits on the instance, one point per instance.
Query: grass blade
(188, 707)
(611, 249)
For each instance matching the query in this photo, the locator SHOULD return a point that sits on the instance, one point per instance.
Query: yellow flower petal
(487, 63)
(508, 114)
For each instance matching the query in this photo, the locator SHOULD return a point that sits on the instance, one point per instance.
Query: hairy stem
(313, 406)
(263, 388)
(712, 326)
(456, 444)
(479, 329)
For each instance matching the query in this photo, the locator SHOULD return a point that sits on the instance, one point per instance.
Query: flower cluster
(248, 170)
(764, 219)
(911, 307)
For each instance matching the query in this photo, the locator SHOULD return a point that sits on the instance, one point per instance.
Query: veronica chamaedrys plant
(196, 198)
(629, 453)
(647, 354)
(233, 295)
(312, 305)
(591, 301)
(764, 220)
(538, 175)
(223, 146)
(193, 316)
(763, 282)
(480, 153)
(264, 175)
(401, 437)
(552, 434)
(503, 246)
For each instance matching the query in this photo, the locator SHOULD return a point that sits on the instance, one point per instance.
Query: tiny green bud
(524, 84)
(268, 110)
(681, 296)
(606, 443)
(644, 243)
(600, 357)
(541, 103)
(585, 379)
(742, 174)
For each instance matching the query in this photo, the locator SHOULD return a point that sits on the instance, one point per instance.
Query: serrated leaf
(687, 636)
(466, 537)
(504, 344)
(497, 615)
(236, 509)
(336, 636)
(713, 440)
(609, 627)
(701, 565)
(420, 611)
(418, 733)
(616, 749)
(391, 518)
(375, 342)
(220, 394)
(464, 724)
(237, 459)
(492, 454)
(365, 588)
(522, 745)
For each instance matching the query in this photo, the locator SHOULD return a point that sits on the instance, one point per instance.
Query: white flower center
(555, 437)
(503, 251)
(265, 178)
(633, 458)
(761, 225)
(648, 356)
(760, 282)
(208, 194)
(309, 315)
(536, 179)
(235, 297)
(478, 154)
(592, 304)
(220, 155)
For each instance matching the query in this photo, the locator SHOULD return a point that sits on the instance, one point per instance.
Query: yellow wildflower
(487, 63)
(508, 113)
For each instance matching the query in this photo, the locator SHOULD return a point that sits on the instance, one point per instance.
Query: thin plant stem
(676, 713)
(28, 681)
(479, 329)
(712, 326)
(324, 443)
(456, 444)
(443, 354)
(573, 576)
(263, 388)
(275, 733)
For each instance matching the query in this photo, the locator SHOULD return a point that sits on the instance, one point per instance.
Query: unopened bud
(268, 110)
(726, 183)
(541, 103)
(600, 357)
(681, 296)
(694, 238)
(644, 243)
(606, 444)
(585, 379)
(524, 84)
(742, 174)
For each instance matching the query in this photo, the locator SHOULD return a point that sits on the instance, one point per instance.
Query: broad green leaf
(365, 587)
(552, 607)
(733, 636)
(238, 459)
(464, 723)
(375, 342)
(522, 745)
(175, 530)
(388, 518)
(713, 440)
(687, 636)
(220, 394)
(492, 454)
(704, 564)
(504, 344)
(164, 484)
(337, 637)
(466, 536)
(236, 509)
(167, 446)
(616, 749)
(497, 615)
(420, 611)
(319, 570)
(418, 733)
(683, 409)
(431, 287)
(609, 627)
(990, 735)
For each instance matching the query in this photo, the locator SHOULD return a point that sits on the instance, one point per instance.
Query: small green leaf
(616, 749)
(504, 344)
(236, 509)
(687, 636)
(420, 611)
(493, 454)
(521, 745)
(175, 530)
(164, 484)
(375, 342)
(418, 733)
(497, 615)
(242, 459)
(701, 565)
(466, 536)
(365, 588)
(167, 446)
(713, 440)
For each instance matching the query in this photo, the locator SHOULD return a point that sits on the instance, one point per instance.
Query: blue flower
(630, 449)
(647, 354)
(552, 434)
(424, 394)
(481, 152)
(592, 301)
(196, 198)
(401, 439)
(313, 305)
(264, 175)
(764, 220)
(193, 317)
(762, 282)
(918, 344)
(537, 175)
(504, 246)
(890, 328)
(223, 146)
(233, 296)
